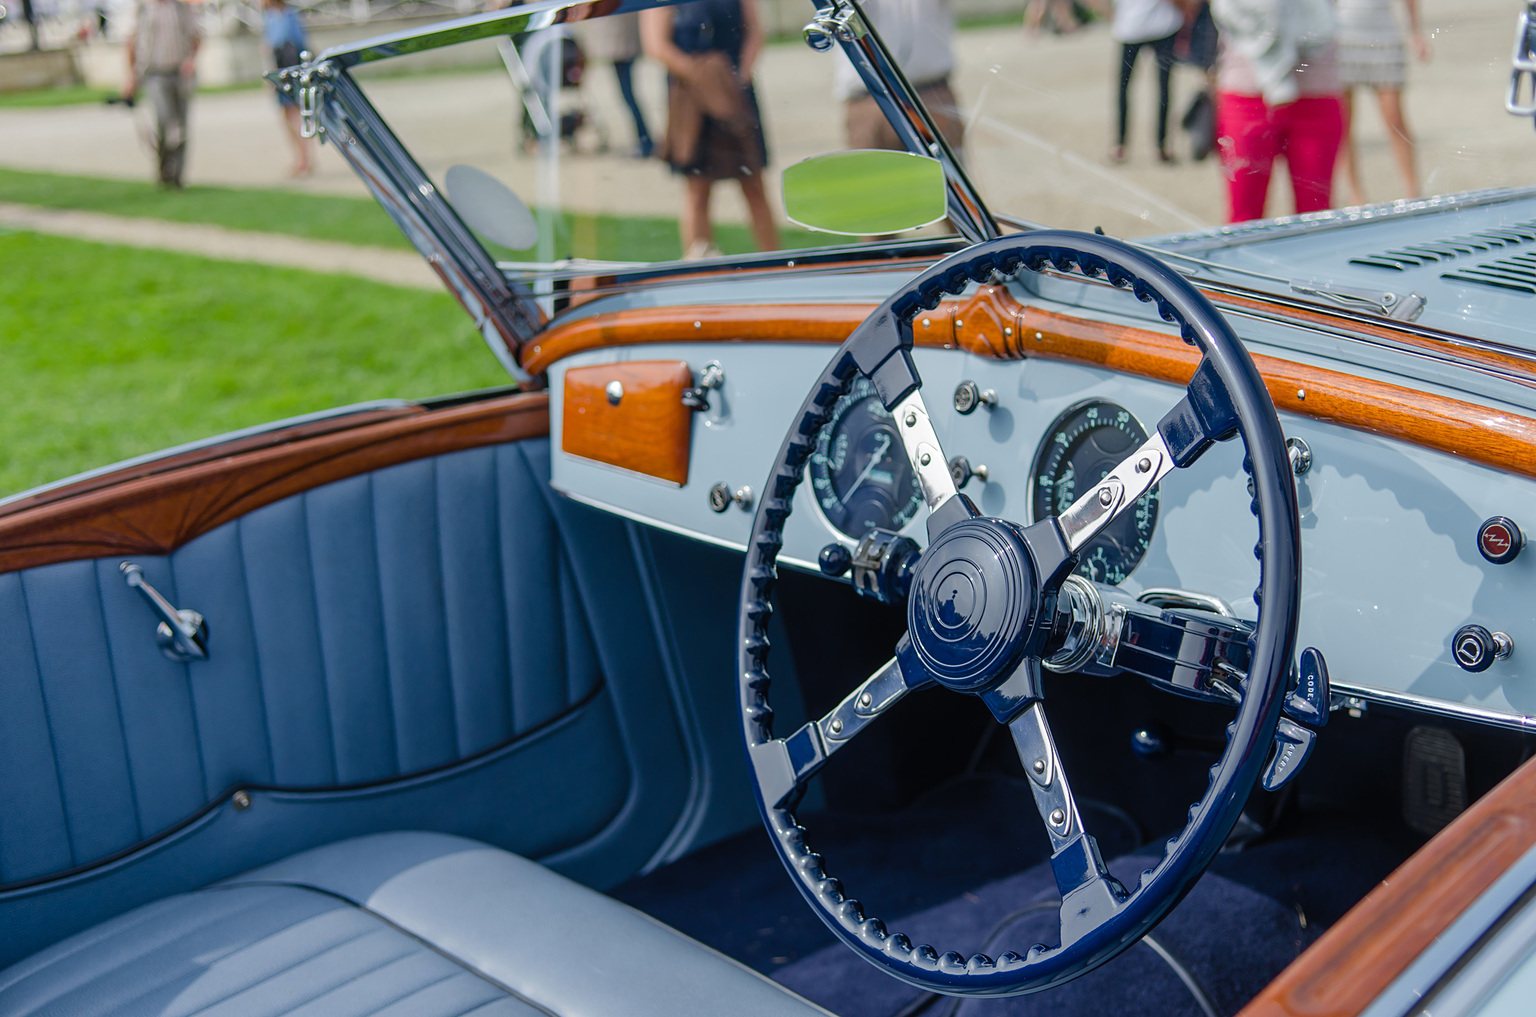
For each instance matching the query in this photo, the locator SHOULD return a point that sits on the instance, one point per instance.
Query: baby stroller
(548, 68)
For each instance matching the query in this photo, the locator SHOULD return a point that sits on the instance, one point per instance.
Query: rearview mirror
(865, 192)
(489, 207)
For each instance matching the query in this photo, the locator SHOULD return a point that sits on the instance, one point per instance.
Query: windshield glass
(1327, 104)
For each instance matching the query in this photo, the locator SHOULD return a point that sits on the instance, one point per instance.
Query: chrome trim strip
(1439, 707)
(510, 21)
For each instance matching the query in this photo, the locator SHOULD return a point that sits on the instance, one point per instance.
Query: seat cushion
(397, 924)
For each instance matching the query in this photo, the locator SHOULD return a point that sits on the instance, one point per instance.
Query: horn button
(972, 604)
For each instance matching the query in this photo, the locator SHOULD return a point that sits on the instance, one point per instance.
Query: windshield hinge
(302, 84)
(1399, 306)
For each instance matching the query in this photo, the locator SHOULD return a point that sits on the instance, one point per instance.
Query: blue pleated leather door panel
(386, 625)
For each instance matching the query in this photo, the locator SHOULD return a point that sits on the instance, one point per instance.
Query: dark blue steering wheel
(983, 603)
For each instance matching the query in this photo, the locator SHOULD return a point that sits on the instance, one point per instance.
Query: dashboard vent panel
(1408, 256)
(1517, 273)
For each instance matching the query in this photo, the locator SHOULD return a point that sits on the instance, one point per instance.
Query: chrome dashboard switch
(968, 396)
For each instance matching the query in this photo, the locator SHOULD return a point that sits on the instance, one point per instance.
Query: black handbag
(1200, 123)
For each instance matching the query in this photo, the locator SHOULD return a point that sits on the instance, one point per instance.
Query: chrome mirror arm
(843, 21)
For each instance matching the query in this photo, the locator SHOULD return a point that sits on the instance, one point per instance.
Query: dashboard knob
(1475, 648)
(961, 471)
(721, 497)
(1500, 540)
(835, 560)
(968, 396)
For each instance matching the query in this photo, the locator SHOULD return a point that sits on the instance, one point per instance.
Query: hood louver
(1514, 272)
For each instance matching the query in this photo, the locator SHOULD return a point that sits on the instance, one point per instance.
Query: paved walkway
(397, 268)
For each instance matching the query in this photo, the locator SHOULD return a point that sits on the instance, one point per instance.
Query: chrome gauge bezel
(1138, 434)
(819, 474)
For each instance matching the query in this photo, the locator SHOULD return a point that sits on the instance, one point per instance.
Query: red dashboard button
(1499, 540)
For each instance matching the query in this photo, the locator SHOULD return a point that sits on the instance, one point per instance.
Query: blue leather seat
(392, 925)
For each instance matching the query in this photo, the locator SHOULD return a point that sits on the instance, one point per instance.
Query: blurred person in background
(1277, 80)
(919, 34)
(1372, 55)
(1065, 16)
(1138, 23)
(287, 39)
(162, 49)
(617, 40)
(714, 129)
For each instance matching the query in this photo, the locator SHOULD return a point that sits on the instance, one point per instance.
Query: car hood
(1463, 264)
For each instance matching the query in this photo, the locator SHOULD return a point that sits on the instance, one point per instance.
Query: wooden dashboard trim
(989, 323)
(1360, 956)
(646, 429)
(158, 507)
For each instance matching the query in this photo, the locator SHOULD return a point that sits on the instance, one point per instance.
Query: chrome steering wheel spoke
(924, 453)
(1089, 895)
(1107, 500)
(1047, 780)
(797, 757)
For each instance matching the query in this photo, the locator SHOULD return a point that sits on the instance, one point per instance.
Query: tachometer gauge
(860, 476)
(1079, 450)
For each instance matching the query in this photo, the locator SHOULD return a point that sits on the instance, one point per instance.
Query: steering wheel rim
(1100, 917)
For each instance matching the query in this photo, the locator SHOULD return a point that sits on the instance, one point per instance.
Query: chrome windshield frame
(505, 309)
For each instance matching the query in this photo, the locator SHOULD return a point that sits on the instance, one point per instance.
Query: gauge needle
(875, 459)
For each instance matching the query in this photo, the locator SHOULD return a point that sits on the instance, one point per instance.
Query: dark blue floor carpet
(736, 897)
(1233, 939)
(948, 870)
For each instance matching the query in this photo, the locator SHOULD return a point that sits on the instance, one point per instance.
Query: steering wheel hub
(972, 603)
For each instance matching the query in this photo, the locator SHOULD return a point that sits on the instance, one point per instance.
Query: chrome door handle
(182, 634)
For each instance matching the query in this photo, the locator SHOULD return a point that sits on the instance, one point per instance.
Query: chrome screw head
(1143, 465)
(837, 726)
(1039, 766)
(866, 699)
(1106, 496)
(1058, 817)
(911, 419)
(925, 459)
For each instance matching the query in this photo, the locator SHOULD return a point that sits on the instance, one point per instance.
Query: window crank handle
(182, 634)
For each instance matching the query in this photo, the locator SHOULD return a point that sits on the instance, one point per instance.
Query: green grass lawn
(352, 220)
(74, 95)
(318, 216)
(109, 352)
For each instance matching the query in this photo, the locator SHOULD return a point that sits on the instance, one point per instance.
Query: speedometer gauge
(859, 472)
(1080, 449)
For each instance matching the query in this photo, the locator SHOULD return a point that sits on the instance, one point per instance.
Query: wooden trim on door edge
(157, 508)
(1366, 950)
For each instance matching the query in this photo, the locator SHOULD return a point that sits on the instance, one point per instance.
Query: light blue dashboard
(1390, 565)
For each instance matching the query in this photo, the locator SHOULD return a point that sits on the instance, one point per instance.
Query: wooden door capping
(156, 508)
(1353, 962)
(990, 323)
